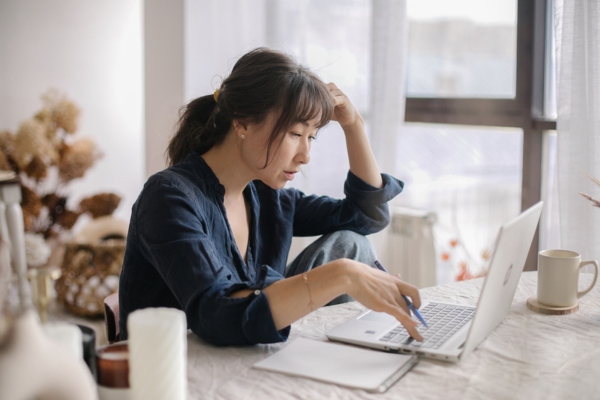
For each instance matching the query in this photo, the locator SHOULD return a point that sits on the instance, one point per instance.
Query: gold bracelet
(310, 303)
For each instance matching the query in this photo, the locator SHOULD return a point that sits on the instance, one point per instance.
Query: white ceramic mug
(558, 277)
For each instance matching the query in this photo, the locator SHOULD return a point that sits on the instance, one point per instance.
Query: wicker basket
(90, 272)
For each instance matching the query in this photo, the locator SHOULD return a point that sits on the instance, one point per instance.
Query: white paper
(340, 364)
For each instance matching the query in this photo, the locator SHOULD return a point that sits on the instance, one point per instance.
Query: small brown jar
(113, 365)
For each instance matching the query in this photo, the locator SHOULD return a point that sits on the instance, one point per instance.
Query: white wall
(164, 78)
(91, 50)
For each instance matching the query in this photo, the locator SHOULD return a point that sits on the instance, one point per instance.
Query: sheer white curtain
(389, 52)
(578, 124)
(389, 47)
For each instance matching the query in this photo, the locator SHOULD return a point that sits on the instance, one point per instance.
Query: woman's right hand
(383, 292)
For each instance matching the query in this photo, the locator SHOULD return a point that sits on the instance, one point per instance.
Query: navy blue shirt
(181, 252)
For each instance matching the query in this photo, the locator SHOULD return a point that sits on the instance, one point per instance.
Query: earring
(243, 136)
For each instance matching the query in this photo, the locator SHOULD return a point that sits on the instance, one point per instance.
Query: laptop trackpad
(378, 317)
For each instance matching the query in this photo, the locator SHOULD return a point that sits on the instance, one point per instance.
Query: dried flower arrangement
(46, 157)
(595, 202)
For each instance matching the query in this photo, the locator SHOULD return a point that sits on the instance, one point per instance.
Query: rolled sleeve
(236, 321)
(364, 210)
(364, 194)
(258, 324)
(372, 201)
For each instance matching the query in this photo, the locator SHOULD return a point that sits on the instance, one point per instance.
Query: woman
(210, 234)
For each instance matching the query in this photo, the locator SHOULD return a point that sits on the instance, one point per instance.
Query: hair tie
(216, 94)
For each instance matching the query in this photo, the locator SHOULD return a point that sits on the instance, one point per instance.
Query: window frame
(524, 111)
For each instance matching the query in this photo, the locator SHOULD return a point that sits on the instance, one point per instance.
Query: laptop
(454, 330)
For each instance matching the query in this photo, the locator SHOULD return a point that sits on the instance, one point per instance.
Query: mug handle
(583, 264)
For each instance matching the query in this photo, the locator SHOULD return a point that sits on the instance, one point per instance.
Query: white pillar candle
(157, 354)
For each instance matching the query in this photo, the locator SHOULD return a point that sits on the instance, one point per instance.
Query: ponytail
(199, 129)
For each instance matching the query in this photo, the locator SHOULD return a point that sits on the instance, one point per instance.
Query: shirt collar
(205, 173)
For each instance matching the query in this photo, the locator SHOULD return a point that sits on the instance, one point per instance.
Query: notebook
(343, 365)
(454, 330)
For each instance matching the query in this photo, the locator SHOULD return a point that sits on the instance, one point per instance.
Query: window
(496, 99)
(462, 48)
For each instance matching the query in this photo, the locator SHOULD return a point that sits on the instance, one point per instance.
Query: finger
(408, 290)
(411, 291)
(409, 324)
(402, 303)
(414, 333)
(338, 100)
(401, 312)
(335, 91)
(396, 289)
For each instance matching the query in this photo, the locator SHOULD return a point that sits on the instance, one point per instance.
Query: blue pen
(410, 305)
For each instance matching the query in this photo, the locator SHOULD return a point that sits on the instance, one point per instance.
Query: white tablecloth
(529, 356)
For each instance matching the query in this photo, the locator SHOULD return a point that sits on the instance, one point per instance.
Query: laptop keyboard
(444, 320)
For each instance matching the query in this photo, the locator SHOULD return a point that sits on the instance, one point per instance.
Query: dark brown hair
(262, 81)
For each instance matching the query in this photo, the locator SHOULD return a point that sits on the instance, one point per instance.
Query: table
(528, 356)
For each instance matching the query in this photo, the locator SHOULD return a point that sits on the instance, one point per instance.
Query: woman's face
(286, 159)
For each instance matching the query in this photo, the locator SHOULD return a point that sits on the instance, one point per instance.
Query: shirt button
(257, 292)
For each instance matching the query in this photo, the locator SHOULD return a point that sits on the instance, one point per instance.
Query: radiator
(411, 247)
